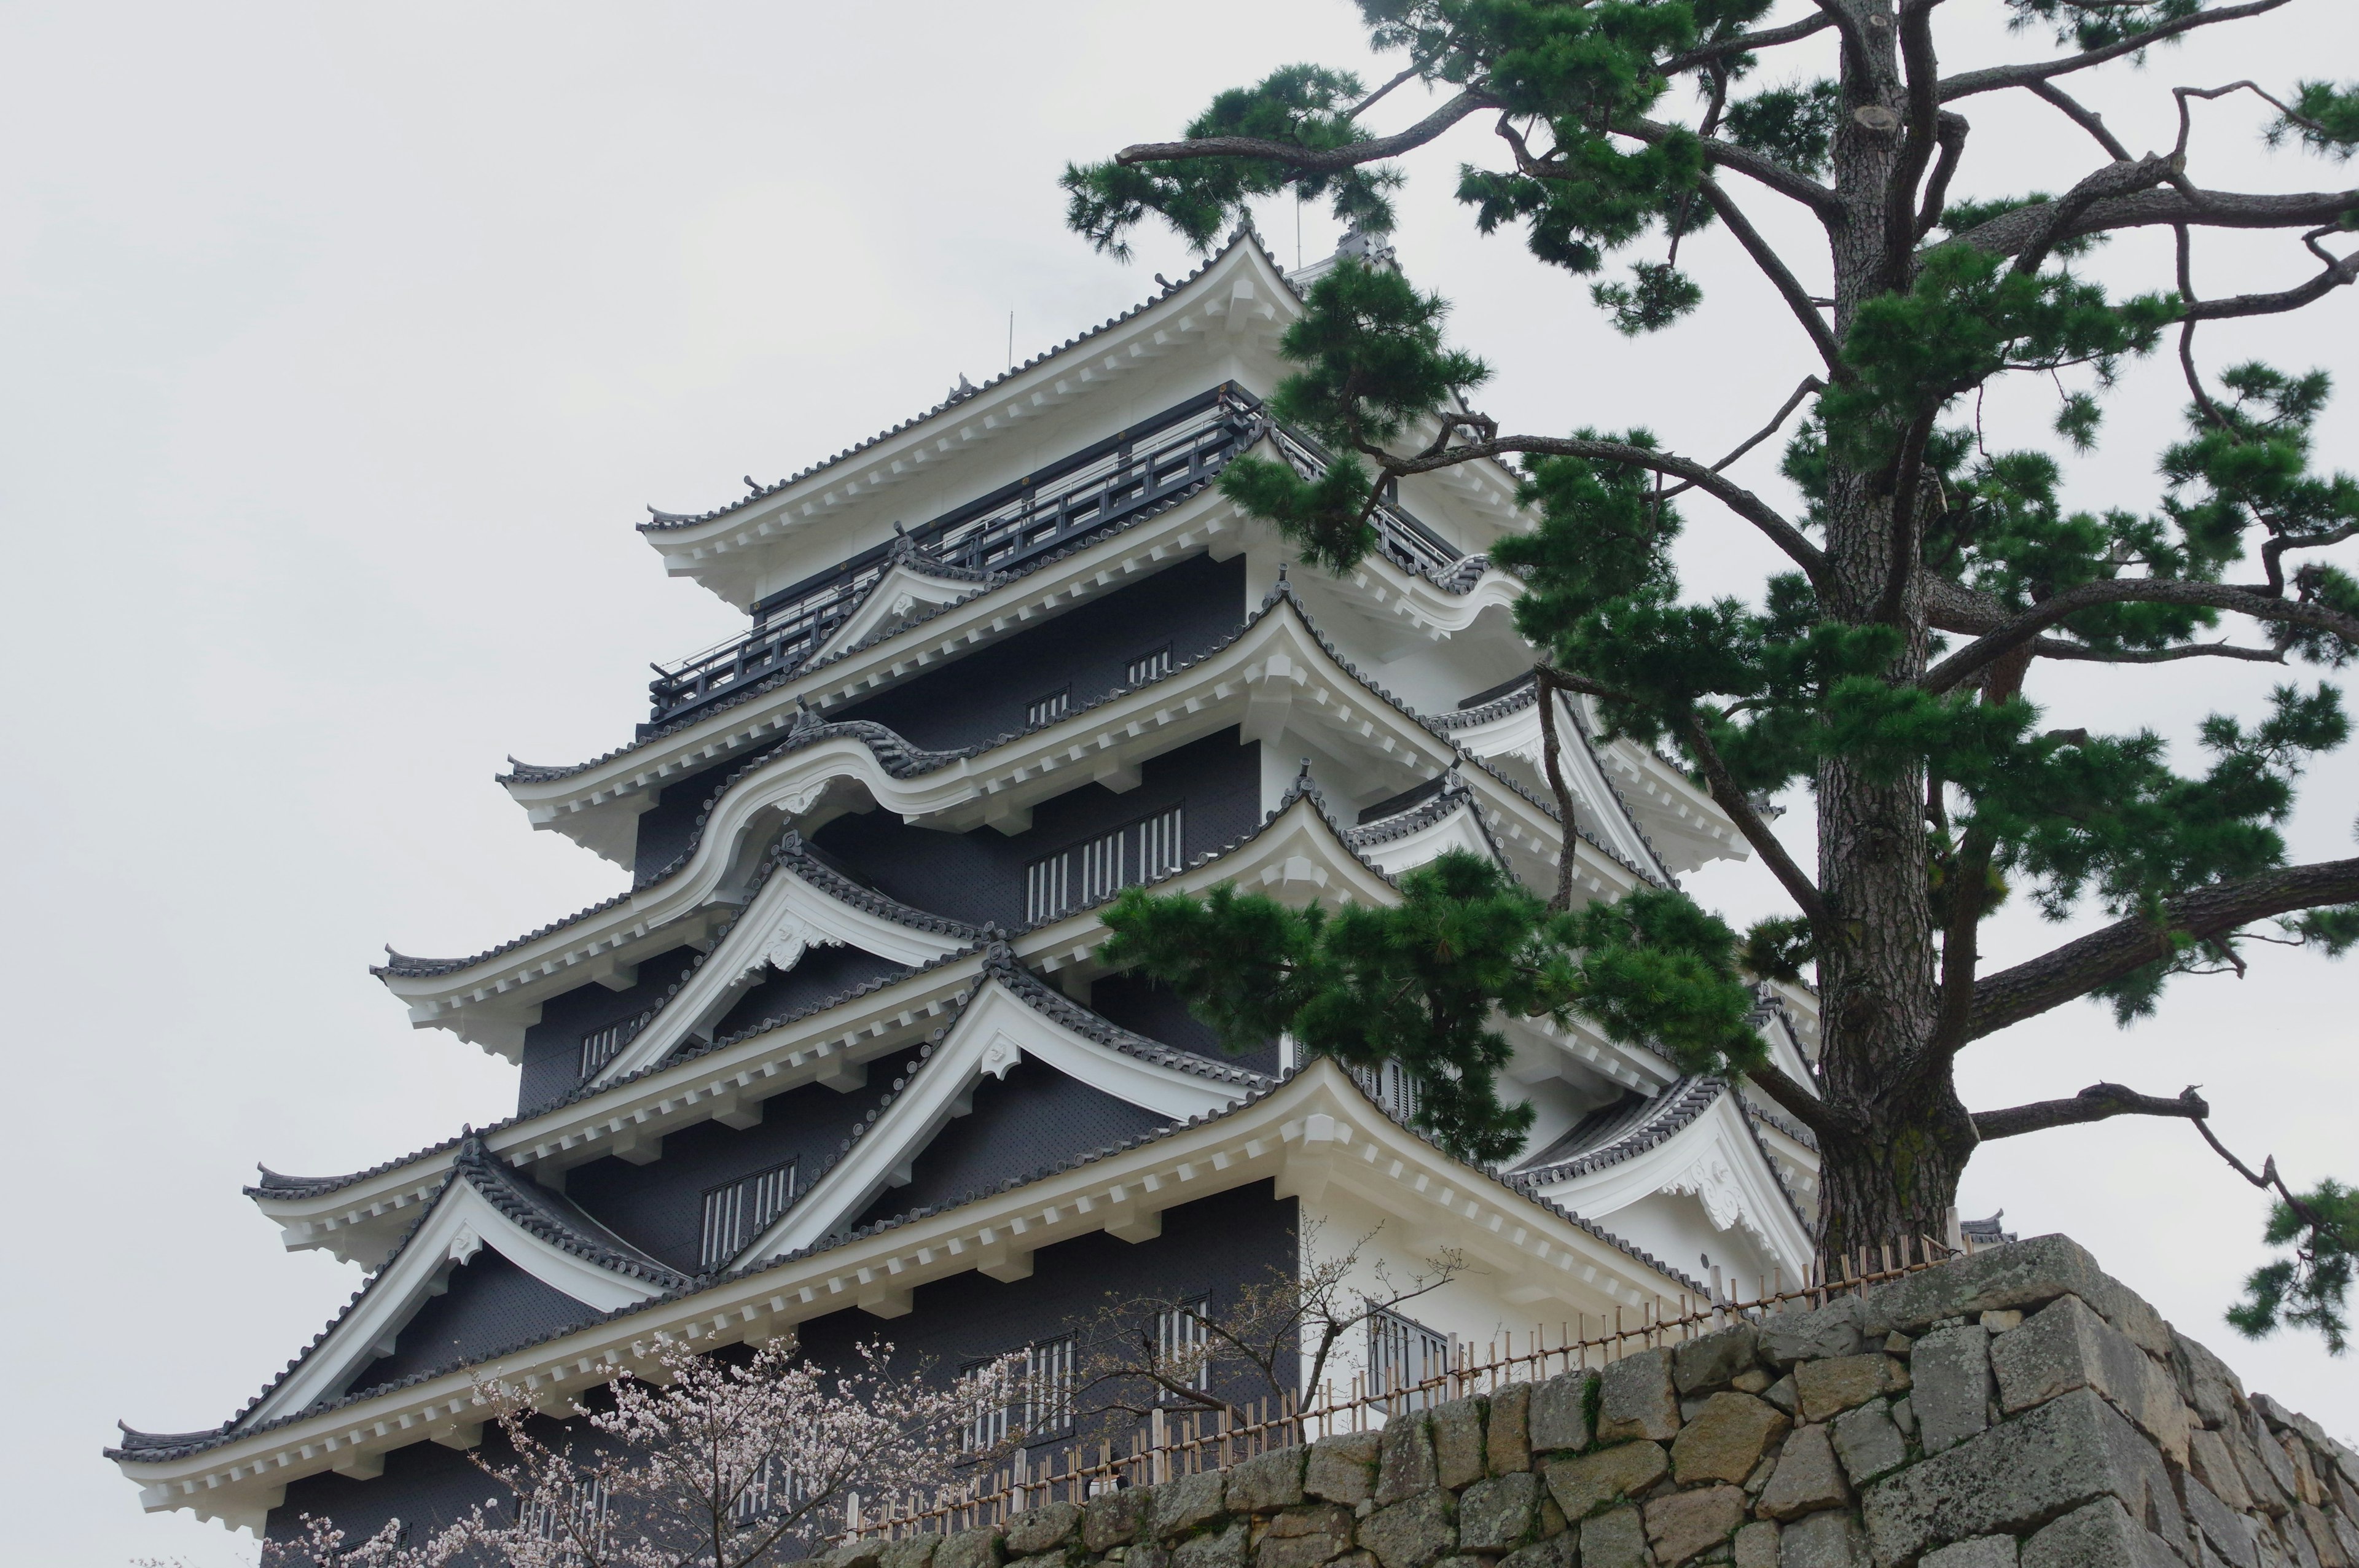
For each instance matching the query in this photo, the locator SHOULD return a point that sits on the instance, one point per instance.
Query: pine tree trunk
(1893, 1172)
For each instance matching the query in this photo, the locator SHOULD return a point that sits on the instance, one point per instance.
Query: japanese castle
(840, 1059)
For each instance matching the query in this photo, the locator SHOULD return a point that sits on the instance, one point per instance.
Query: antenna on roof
(1011, 340)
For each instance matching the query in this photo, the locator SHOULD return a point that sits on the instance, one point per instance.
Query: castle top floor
(1086, 401)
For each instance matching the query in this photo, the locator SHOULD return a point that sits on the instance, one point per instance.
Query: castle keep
(838, 1057)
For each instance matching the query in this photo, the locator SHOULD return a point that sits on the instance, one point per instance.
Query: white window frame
(735, 1212)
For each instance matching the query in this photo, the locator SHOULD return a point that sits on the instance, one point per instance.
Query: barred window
(1392, 1087)
(738, 1211)
(770, 1489)
(1404, 1354)
(1088, 872)
(599, 1046)
(1056, 705)
(1183, 1344)
(1027, 1394)
(1147, 665)
(574, 1522)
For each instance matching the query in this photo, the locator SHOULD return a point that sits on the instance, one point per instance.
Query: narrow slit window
(1408, 1362)
(1056, 705)
(1184, 1346)
(1147, 665)
(1096, 868)
(736, 1212)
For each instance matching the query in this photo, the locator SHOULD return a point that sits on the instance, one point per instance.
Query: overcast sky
(345, 345)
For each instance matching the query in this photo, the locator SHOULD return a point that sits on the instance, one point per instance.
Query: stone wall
(2016, 1409)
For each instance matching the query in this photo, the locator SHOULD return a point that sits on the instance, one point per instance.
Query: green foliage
(2096, 24)
(2313, 1287)
(2325, 119)
(1762, 693)
(1373, 358)
(1656, 294)
(1794, 126)
(1303, 106)
(1968, 316)
(1326, 516)
(1418, 983)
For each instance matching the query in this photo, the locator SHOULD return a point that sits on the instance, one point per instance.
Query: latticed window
(1056, 705)
(1027, 1394)
(1147, 665)
(1404, 1354)
(738, 1211)
(1097, 870)
(1183, 1344)
(1392, 1087)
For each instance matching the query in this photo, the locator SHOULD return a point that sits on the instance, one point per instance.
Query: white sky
(345, 345)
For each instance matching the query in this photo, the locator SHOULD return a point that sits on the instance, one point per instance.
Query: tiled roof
(1458, 578)
(154, 1447)
(275, 1185)
(1627, 1128)
(1452, 795)
(539, 1214)
(902, 760)
(664, 522)
(553, 1219)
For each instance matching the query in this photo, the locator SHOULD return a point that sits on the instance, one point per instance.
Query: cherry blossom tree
(699, 1460)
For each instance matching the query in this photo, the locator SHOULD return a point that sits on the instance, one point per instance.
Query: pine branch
(1735, 497)
(2098, 1102)
(2077, 968)
(1313, 160)
(1967, 83)
(2339, 272)
(2243, 601)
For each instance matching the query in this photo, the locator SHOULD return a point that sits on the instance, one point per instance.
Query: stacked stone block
(2017, 1408)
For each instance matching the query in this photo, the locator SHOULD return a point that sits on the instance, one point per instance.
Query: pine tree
(1887, 670)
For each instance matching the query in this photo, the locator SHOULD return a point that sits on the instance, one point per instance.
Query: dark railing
(1096, 488)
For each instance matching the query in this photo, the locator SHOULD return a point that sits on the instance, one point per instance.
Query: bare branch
(1752, 165)
(2056, 648)
(1810, 383)
(1966, 83)
(2011, 232)
(2242, 600)
(1746, 43)
(2339, 272)
(1773, 266)
(1370, 101)
(2265, 1178)
(2086, 118)
(2116, 180)
(1799, 1103)
(2077, 968)
(1799, 887)
(1570, 839)
(1917, 150)
(1736, 498)
(1937, 189)
(2098, 1102)
(1313, 160)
